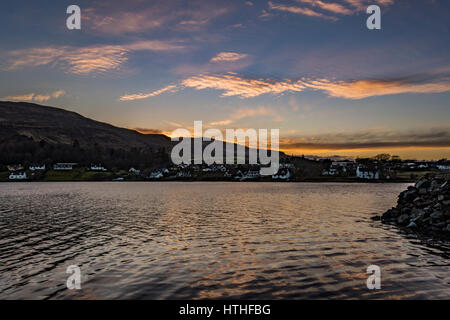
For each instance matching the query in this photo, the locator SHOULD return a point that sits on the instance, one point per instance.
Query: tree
(382, 157)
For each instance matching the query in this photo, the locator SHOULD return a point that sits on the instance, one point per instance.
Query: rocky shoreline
(423, 209)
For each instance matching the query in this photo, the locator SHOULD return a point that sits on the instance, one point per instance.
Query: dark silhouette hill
(32, 133)
(58, 126)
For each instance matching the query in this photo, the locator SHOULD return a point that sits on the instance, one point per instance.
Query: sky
(310, 68)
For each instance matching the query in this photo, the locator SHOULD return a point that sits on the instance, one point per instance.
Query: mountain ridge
(60, 126)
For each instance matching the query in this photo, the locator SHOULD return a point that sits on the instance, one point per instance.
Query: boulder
(411, 225)
(424, 208)
(403, 219)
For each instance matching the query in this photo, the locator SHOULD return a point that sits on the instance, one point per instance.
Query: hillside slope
(58, 126)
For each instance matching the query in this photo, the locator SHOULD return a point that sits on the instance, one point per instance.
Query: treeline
(23, 150)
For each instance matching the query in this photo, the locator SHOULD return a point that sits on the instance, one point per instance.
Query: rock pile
(423, 208)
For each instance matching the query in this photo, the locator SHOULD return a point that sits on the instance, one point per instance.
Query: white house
(98, 168)
(134, 171)
(158, 174)
(15, 167)
(251, 174)
(37, 168)
(18, 176)
(365, 173)
(64, 166)
(283, 175)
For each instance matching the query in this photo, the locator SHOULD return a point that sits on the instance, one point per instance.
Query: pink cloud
(140, 96)
(228, 56)
(84, 60)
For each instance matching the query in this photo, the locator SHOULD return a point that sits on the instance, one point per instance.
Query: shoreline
(423, 209)
(210, 180)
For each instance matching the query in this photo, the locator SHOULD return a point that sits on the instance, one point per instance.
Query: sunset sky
(308, 67)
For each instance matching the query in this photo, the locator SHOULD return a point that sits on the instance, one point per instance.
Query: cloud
(84, 60)
(232, 84)
(313, 8)
(36, 97)
(244, 113)
(438, 137)
(140, 96)
(332, 7)
(228, 56)
(297, 10)
(136, 16)
(361, 89)
(149, 131)
(235, 85)
(361, 5)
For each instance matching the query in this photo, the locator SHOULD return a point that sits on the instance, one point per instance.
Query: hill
(58, 126)
(31, 133)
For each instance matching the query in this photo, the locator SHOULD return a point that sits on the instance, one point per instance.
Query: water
(210, 240)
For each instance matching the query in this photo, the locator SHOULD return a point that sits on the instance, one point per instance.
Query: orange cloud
(333, 7)
(369, 88)
(36, 97)
(298, 10)
(438, 137)
(84, 60)
(235, 85)
(139, 96)
(229, 56)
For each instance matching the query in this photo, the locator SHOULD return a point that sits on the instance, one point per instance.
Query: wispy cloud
(140, 96)
(361, 89)
(298, 10)
(235, 85)
(36, 97)
(328, 6)
(363, 4)
(135, 17)
(243, 113)
(149, 131)
(232, 84)
(437, 137)
(228, 56)
(84, 60)
(334, 10)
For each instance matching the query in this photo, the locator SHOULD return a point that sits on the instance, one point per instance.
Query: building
(134, 171)
(64, 166)
(340, 168)
(98, 168)
(15, 167)
(37, 167)
(444, 167)
(363, 172)
(158, 174)
(283, 174)
(252, 174)
(18, 176)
